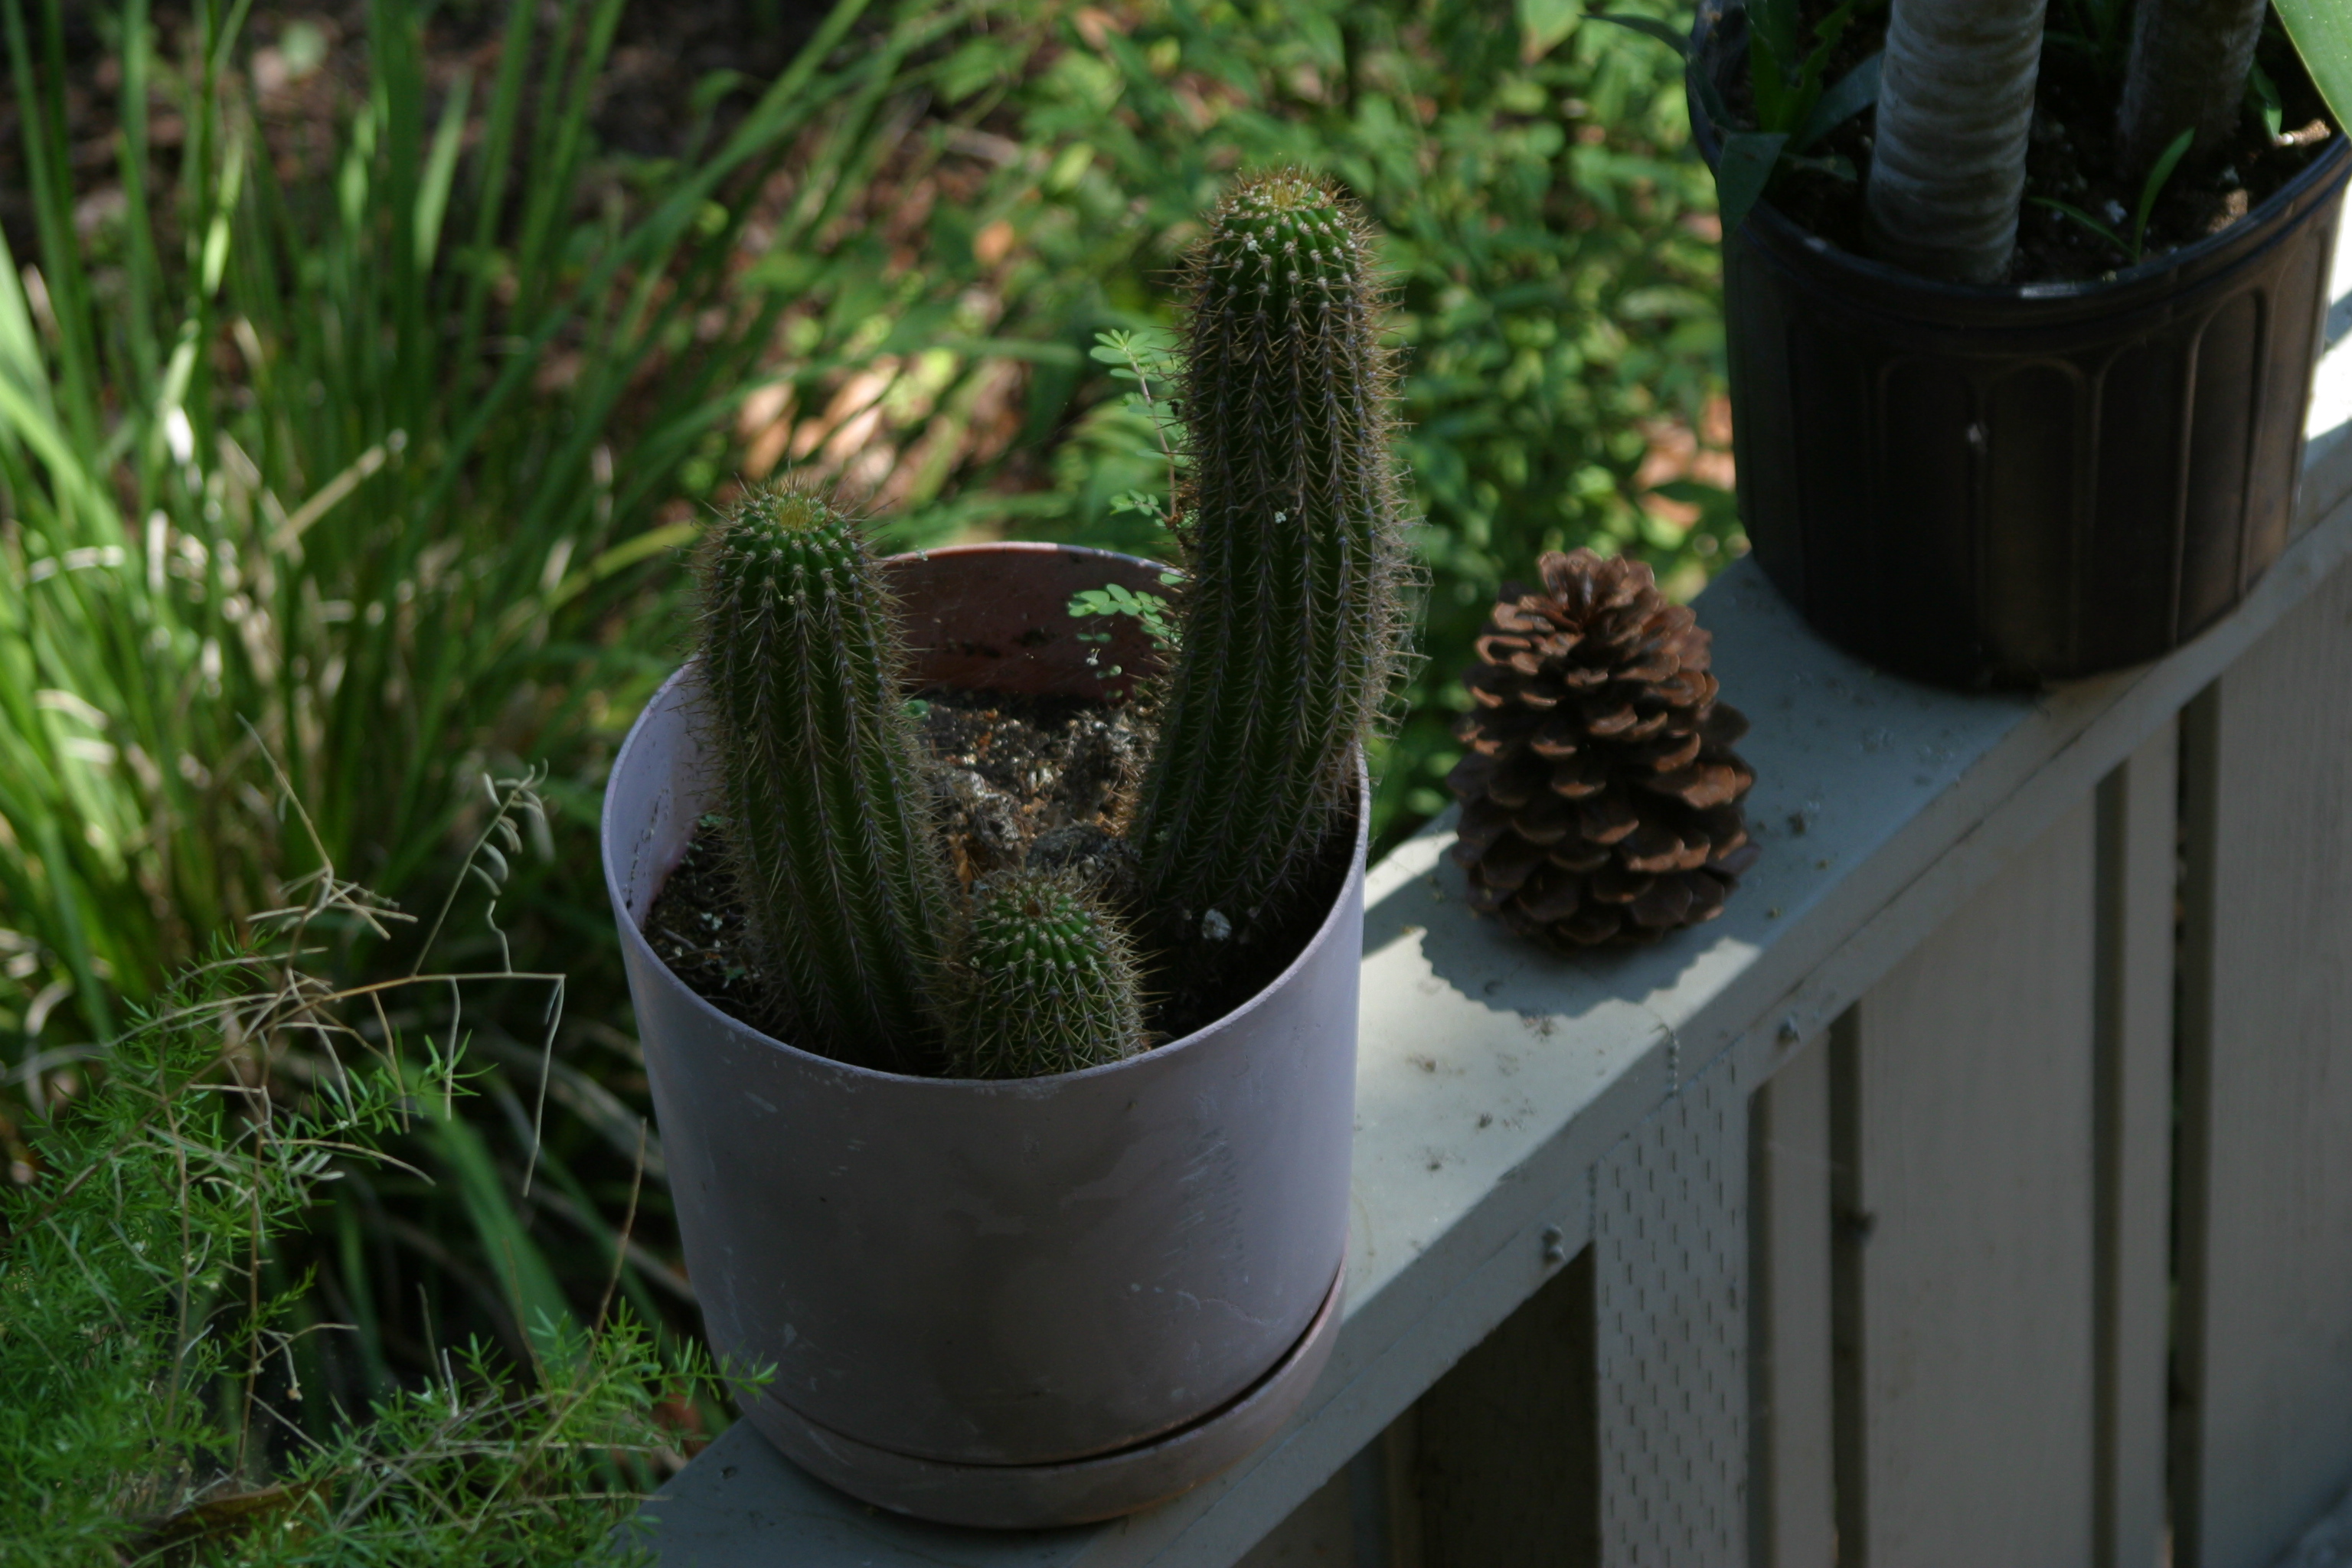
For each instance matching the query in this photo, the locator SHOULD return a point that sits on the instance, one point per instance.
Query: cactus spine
(1294, 554)
(832, 853)
(1050, 981)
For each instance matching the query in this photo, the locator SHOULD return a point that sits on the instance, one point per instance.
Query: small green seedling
(2133, 245)
(2263, 98)
(1115, 599)
(1147, 360)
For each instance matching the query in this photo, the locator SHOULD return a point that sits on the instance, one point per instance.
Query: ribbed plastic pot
(1009, 1303)
(2011, 485)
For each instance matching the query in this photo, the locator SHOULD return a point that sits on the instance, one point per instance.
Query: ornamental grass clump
(1293, 554)
(157, 1331)
(840, 877)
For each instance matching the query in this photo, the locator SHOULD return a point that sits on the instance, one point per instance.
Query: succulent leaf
(831, 851)
(1293, 538)
(1050, 981)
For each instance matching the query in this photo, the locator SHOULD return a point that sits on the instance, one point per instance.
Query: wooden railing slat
(2266, 1287)
(2137, 883)
(1966, 1232)
(1507, 1464)
(1789, 1212)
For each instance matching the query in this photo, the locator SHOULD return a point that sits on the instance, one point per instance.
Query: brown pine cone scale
(1600, 795)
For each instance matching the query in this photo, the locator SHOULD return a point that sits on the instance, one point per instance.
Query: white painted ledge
(1491, 1075)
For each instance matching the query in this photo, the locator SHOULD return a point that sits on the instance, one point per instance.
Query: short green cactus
(1293, 544)
(839, 875)
(1049, 983)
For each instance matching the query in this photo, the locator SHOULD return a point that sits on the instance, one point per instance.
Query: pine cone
(1601, 795)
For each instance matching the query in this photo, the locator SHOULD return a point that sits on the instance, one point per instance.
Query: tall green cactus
(1293, 547)
(841, 881)
(1050, 981)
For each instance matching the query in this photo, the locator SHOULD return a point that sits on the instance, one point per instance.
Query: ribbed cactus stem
(1050, 981)
(1293, 548)
(842, 886)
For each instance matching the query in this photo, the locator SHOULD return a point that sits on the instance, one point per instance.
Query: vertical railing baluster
(2265, 1289)
(1790, 1471)
(2137, 881)
(1962, 1119)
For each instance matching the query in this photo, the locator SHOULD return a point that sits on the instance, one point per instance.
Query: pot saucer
(1077, 1492)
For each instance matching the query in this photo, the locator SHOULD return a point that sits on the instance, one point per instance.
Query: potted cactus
(1013, 1259)
(1977, 464)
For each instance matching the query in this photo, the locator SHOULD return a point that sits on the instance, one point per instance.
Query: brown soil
(1021, 780)
(2071, 158)
(694, 927)
(1041, 780)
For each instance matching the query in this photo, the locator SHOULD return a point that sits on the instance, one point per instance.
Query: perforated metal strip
(1671, 1286)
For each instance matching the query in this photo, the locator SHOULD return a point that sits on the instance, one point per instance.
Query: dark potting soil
(1019, 780)
(1027, 778)
(2071, 158)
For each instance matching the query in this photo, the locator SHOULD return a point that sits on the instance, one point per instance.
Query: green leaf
(2262, 98)
(1833, 164)
(1649, 28)
(440, 168)
(1117, 599)
(1778, 24)
(1743, 171)
(525, 1277)
(1710, 98)
(2085, 219)
(1664, 300)
(2166, 161)
(1826, 36)
(1779, 105)
(1855, 91)
(1542, 25)
(2322, 31)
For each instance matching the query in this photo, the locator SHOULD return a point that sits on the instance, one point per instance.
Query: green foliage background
(1549, 242)
(151, 1403)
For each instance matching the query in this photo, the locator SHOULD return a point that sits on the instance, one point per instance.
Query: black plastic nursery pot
(2010, 485)
(1004, 1302)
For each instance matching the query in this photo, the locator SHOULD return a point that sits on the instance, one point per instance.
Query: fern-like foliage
(1293, 545)
(843, 883)
(142, 1418)
(1050, 981)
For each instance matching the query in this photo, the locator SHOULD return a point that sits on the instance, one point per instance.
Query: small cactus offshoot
(1049, 985)
(1294, 556)
(842, 883)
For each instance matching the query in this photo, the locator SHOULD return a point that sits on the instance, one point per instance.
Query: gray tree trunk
(1955, 103)
(2189, 65)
